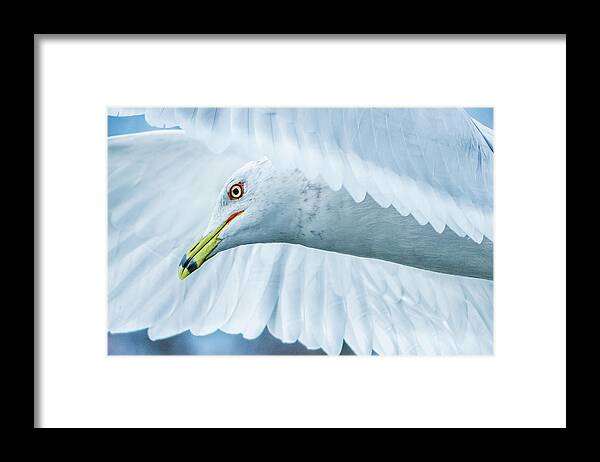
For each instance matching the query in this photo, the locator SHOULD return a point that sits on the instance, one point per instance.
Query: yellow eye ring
(236, 191)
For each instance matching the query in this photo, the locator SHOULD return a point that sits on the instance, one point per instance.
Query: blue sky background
(218, 343)
(485, 115)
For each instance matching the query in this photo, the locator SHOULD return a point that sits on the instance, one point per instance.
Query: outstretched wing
(323, 298)
(435, 164)
(319, 298)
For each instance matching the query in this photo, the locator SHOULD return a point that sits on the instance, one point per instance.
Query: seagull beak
(200, 251)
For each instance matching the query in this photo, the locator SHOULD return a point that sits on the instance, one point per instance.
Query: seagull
(370, 226)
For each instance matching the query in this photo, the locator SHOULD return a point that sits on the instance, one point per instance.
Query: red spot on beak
(233, 215)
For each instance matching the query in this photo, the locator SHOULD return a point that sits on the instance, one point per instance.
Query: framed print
(297, 231)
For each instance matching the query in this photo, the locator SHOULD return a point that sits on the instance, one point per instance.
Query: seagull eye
(236, 191)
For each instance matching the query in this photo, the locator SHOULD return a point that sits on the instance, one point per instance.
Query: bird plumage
(320, 296)
(283, 206)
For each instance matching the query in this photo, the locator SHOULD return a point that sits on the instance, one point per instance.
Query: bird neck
(331, 220)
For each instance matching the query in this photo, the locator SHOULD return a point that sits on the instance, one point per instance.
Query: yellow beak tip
(183, 273)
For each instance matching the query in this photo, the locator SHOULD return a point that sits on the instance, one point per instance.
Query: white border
(524, 384)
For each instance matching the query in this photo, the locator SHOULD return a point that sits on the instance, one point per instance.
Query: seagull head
(255, 205)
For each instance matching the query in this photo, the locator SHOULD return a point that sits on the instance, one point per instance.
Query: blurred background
(218, 343)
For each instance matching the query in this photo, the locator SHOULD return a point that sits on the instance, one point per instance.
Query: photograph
(298, 231)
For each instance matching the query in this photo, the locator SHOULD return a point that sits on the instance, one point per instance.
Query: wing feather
(433, 163)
